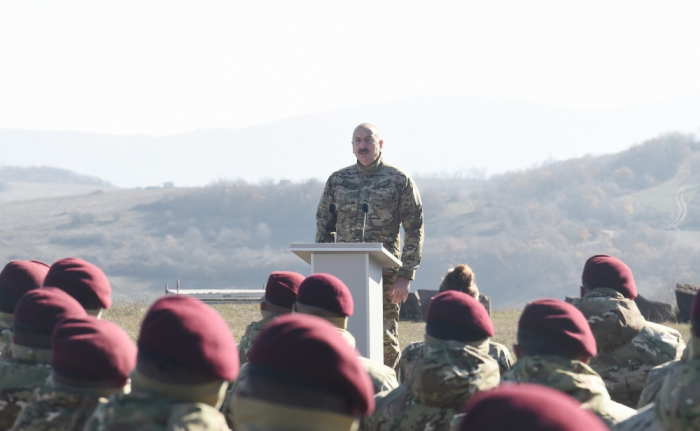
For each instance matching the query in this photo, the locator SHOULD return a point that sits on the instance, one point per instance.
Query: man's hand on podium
(399, 292)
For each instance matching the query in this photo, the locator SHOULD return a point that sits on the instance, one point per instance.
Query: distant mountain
(45, 174)
(526, 234)
(445, 136)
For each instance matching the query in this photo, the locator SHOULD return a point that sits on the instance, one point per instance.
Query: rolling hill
(525, 233)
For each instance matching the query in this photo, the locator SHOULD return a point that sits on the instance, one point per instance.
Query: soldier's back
(56, 410)
(251, 332)
(146, 410)
(17, 383)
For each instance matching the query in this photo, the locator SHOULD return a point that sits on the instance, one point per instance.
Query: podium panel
(359, 266)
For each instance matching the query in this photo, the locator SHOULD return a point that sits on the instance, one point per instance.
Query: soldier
(393, 201)
(327, 297)
(17, 278)
(526, 407)
(628, 345)
(454, 366)
(83, 281)
(459, 278)
(657, 376)
(28, 366)
(90, 358)
(186, 358)
(280, 295)
(554, 347)
(677, 405)
(302, 376)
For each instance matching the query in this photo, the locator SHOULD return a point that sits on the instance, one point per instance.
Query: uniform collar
(371, 169)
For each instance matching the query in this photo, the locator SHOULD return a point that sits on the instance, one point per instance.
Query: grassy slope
(129, 316)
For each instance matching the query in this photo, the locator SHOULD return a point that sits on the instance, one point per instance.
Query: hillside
(526, 233)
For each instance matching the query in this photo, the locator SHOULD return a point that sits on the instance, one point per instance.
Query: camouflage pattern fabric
(414, 352)
(146, 410)
(54, 409)
(394, 202)
(227, 406)
(644, 420)
(655, 381)
(383, 377)
(251, 331)
(18, 379)
(628, 346)
(5, 333)
(448, 374)
(573, 378)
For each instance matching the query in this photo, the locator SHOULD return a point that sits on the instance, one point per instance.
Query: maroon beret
(86, 348)
(17, 278)
(527, 407)
(39, 310)
(193, 334)
(282, 287)
(327, 292)
(560, 323)
(602, 270)
(308, 348)
(454, 315)
(81, 280)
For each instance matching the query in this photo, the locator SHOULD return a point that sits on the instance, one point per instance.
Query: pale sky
(167, 67)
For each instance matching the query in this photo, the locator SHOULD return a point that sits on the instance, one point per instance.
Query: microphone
(332, 208)
(365, 209)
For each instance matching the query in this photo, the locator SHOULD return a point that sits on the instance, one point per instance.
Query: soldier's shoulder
(397, 173)
(199, 416)
(663, 332)
(383, 377)
(344, 172)
(644, 420)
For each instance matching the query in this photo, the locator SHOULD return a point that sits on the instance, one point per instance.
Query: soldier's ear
(262, 304)
(519, 352)
(381, 143)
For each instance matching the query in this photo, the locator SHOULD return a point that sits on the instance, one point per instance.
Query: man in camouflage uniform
(677, 404)
(17, 278)
(453, 367)
(302, 377)
(186, 358)
(36, 314)
(554, 346)
(327, 297)
(280, 295)
(394, 201)
(628, 346)
(90, 359)
(658, 374)
(460, 278)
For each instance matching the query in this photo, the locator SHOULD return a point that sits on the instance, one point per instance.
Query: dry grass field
(129, 316)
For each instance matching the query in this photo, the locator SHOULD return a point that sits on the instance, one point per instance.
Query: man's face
(365, 146)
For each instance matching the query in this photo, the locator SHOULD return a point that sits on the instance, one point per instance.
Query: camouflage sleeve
(411, 215)
(322, 213)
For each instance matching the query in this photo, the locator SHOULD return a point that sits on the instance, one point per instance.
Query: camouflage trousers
(392, 351)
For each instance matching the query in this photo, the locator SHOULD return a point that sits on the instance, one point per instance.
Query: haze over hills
(526, 234)
(466, 135)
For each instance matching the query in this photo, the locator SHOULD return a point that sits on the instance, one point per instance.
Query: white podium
(359, 266)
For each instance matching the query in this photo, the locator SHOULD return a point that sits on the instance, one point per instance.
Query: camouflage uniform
(147, 410)
(19, 376)
(628, 346)
(414, 352)
(677, 405)
(657, 376)
(5, 333)
(394, 200)
(251, 331)
(448, 374)
(573, 378)
(56, 409)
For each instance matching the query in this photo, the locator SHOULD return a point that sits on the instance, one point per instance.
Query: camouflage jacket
(448, 374)
(5, 333)
(677, 405)
(55, 409)
(393, 200)
(657, 376)
(628, 346)
(19, 377)
(251, 331)
(414, 352)
(573, 378)
(146, 410)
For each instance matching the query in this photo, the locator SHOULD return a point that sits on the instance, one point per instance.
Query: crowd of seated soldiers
(593, 363)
